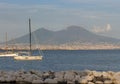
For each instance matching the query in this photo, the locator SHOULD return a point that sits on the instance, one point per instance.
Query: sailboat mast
(6, 44)
(30, 36)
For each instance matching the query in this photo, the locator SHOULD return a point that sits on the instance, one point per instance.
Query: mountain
(72, 34)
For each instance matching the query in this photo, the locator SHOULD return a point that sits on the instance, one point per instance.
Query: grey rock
(69, 75)
(51, 81)
(38, 81)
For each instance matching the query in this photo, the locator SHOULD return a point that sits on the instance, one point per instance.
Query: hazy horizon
(100, 17)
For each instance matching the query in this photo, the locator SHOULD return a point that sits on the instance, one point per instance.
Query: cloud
(97, 4)
(79, 1)
(93, 1)
(105, 29)
(8, 6)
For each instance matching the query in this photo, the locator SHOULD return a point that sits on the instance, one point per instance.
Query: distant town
(83, 46)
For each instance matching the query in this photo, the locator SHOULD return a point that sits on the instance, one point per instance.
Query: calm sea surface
(58, 60)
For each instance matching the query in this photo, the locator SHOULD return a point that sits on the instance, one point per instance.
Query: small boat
(25, 56)
(28, 55)
(8, 53)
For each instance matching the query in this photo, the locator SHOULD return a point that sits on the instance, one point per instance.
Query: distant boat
(28, 55)
(8, 53)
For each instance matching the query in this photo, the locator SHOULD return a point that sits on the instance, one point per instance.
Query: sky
(98, 16)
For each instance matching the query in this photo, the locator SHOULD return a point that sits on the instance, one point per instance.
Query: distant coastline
(63, 47)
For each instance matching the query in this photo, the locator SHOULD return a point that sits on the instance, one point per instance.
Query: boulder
(98, 82)
(50, 81)
(2, 79)
(91, 83)
(89, 78)
(83, 73)
(69, 76)
(97, 74)
(38, 81)
(83, 81)
(108, 82)
(59, 76)
(19, 79)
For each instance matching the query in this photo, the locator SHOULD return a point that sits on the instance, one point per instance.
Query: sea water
(61, 60)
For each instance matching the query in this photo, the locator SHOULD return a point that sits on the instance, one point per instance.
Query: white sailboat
(8, 53)
(25, 55)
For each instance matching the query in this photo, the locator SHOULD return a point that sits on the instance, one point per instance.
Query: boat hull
(9, 55)
(28, 57)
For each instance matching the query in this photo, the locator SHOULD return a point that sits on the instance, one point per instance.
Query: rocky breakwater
(61, 77)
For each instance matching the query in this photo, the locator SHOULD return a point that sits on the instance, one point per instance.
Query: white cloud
(104, 29)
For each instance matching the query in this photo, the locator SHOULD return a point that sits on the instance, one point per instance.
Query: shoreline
(56, 49)
(60, 77)
(85, 46)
